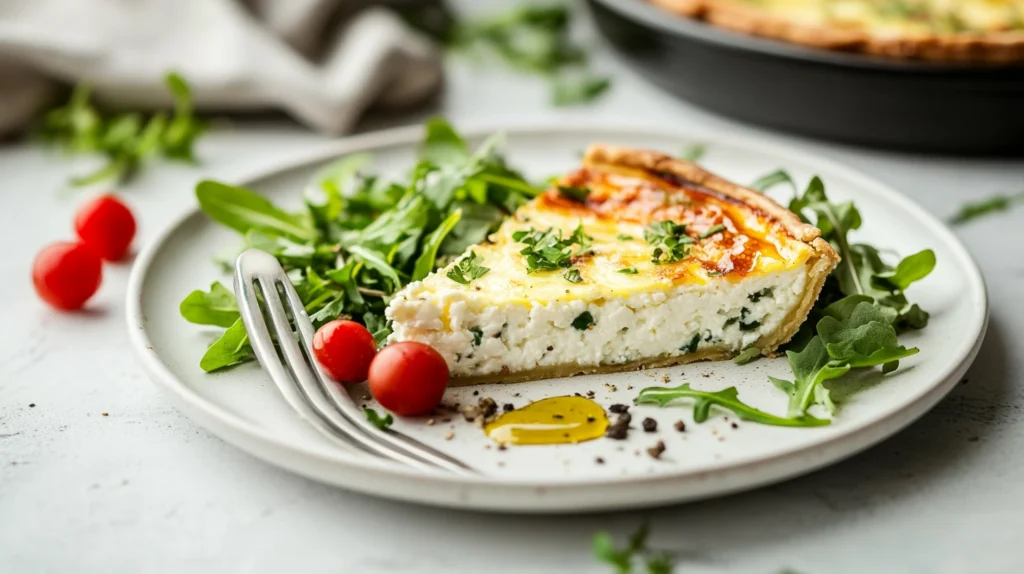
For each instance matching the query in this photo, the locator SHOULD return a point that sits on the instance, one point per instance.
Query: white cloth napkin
(322, 61)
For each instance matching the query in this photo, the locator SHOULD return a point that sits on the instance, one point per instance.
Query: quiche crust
(995, 46)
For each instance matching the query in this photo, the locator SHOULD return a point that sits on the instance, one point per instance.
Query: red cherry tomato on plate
(66, 274)
(408, 378)
(106, 226)
(344, 349)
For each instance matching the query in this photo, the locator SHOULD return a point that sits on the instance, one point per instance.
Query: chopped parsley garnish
(628, 270)
(478, 335)
(669, 241)
(381, 422)
(572, 275)
(574, 193)
(758, 295)
(467, 269)
(712, 230)
(583, 321)
(548, 250)
(624, 237)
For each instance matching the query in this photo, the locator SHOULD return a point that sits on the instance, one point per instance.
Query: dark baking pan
(833, 95)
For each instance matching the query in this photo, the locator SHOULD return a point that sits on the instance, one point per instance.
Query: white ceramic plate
(243, 407)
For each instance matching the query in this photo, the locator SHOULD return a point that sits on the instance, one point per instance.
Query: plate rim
(259, 442)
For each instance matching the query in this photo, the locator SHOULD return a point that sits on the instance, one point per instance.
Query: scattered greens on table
(534, 38)
(995, 204)
(126, 139)
(624, 559)
(693, 153)
(854, 324)
(360, 238)
(636, 553)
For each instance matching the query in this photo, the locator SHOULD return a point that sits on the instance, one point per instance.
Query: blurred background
(146, 97)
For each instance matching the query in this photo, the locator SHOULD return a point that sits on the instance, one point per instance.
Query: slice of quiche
(635, 260)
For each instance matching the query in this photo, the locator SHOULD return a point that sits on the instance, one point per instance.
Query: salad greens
(855, 323)
(126, 139)
(534, 38)
(360, 238)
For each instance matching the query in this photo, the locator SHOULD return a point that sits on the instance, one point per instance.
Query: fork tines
(269, 303)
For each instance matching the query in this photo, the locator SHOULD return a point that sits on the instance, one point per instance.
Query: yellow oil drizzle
(556, 420)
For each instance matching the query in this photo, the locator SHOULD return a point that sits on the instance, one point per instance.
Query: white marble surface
(145, 490)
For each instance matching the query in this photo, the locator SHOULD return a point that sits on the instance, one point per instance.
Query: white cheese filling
(481, 336)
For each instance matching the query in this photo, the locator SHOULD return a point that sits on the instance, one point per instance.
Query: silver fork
(326, 405)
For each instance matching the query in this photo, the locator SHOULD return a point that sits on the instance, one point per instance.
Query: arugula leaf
(575, 89)
(727, 399)
(244, 211)
(574, 193)
(860, 334)
(467, 269)
(442, 145)
(377, 261)
(995, 204)
(325, 199)
(605, 551)
(747, 355)
(624, 237)
(179, 138)
(669, 241)
(572, 275)
(628, 270)
(912, 268)
(216, 307)
(425, 262)
(770, 180)
(381, 422)
(811, 367)
(693, 153)
(232, 348)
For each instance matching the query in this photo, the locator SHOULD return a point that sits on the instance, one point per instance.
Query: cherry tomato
(106, 226)
(408, 378)
(344, 349)
(66, 274)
